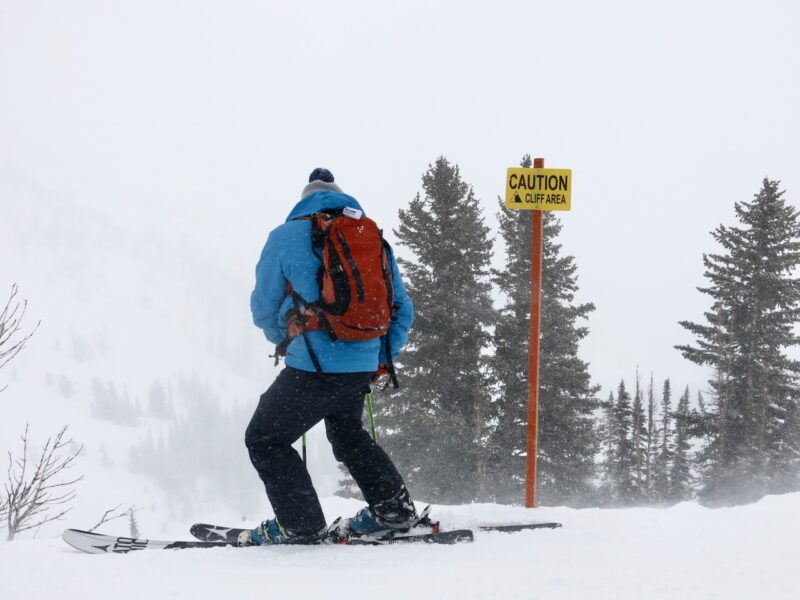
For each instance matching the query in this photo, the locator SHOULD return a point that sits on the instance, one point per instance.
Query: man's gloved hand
(382, 370)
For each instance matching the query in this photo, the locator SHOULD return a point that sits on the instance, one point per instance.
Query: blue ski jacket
(288, 257)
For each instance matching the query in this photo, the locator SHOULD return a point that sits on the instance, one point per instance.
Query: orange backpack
(356, 285)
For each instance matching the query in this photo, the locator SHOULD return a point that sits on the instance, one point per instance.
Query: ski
(453, 536)
(96, 543)
(230, 535)
(216, 533)
(514, 527)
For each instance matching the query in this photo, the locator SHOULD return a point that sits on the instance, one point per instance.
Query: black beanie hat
(321, 175)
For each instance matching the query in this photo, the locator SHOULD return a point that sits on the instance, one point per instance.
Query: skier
(324, 378)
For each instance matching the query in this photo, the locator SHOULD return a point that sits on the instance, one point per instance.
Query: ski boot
(389, 518)
(272, 532)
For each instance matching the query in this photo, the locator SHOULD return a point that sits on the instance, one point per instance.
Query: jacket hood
(322, 200)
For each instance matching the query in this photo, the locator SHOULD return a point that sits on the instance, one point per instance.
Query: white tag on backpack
(353, 213)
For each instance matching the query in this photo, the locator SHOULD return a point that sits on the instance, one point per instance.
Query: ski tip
(85, 541)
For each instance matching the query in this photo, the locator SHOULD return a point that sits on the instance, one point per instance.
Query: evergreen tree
(567, 433)
(785, 450)
(639, 443)
(112, 406)
(158, 401)
(756, 305)
(436, 425)
(619, 478)
(607, 466)
(704, 426)
(680, 476)
(652, 435)
(661, 490)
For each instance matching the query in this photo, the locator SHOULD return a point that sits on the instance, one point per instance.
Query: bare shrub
(39, 492)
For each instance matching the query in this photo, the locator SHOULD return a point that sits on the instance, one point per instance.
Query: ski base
(96, 543)
(514, 527)
(453, 536)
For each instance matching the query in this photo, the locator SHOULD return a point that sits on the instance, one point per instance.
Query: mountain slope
(683, 552)
(132, 318)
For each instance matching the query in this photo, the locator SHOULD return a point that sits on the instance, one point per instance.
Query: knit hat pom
(320, 174)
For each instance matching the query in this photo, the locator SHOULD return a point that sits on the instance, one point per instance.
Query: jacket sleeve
(269, 293)
(404, 315)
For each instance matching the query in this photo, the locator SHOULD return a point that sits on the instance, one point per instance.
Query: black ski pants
(295, 402)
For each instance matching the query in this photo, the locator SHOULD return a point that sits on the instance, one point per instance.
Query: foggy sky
(203, 119)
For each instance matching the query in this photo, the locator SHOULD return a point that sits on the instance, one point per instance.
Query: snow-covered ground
(682, 552)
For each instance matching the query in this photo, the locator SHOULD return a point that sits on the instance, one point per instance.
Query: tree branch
(11, 317)
(107, 516)
(31, 495)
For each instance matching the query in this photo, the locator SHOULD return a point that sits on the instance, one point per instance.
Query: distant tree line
(199, 457)
(646, 454)
(457, 426)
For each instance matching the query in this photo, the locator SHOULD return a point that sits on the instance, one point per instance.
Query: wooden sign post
(537, 189)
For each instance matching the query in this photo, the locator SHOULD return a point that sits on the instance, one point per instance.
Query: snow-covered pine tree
(436, 425)
(607, 462)
(619, 484)
(749, 327)
(663, 461)
(639, 443)
(681, 472)
(568, 438)
(785, 450)
(705, 427)
(651, 442)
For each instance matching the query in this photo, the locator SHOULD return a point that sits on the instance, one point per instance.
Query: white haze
(203, 120)
(146, 149)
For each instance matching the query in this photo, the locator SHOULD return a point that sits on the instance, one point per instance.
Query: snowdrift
(686, 551)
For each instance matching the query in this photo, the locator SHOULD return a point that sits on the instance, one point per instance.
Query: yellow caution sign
(539, 189)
